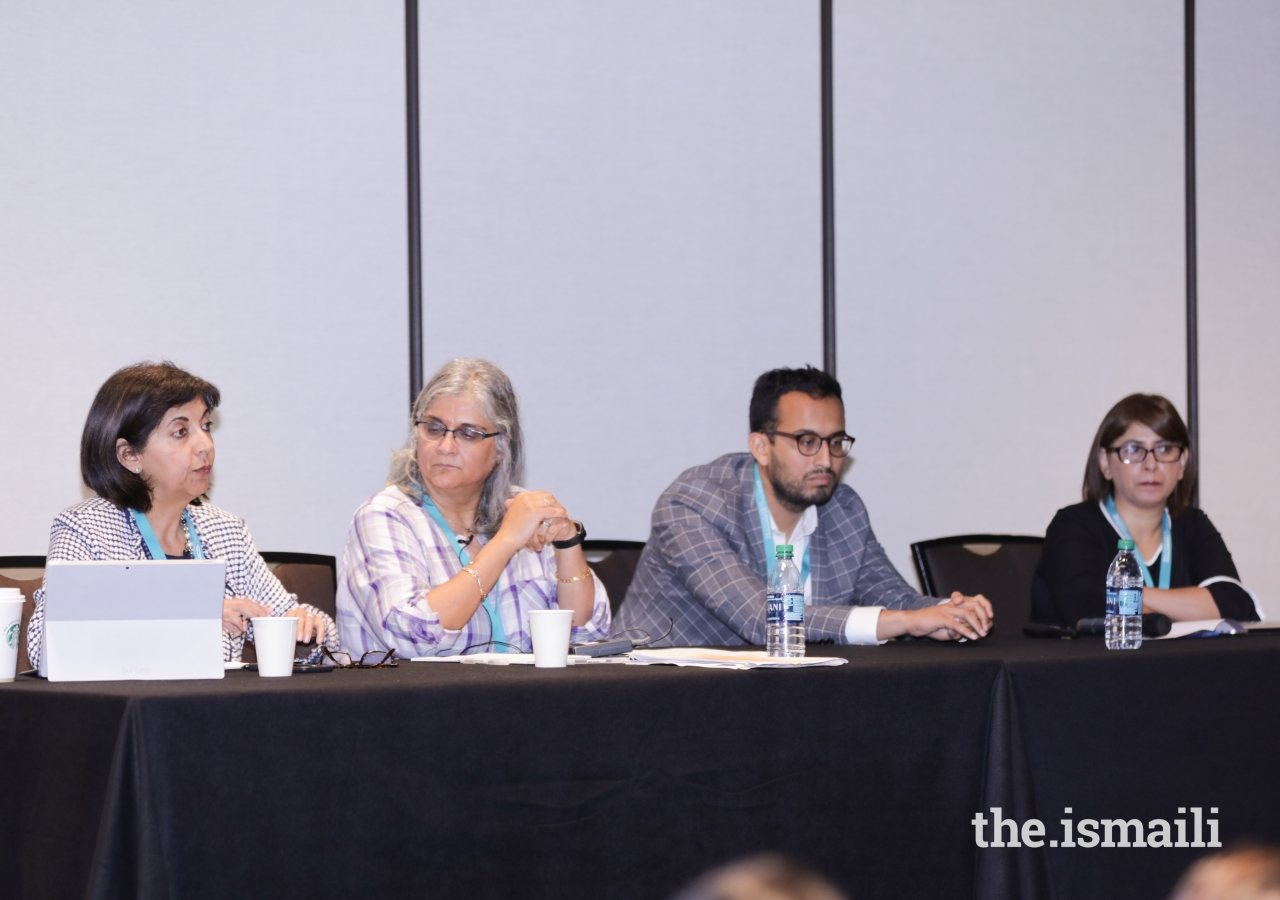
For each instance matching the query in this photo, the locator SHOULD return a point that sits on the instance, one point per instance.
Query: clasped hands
(956, 617)
(237, 611)
(535, 519)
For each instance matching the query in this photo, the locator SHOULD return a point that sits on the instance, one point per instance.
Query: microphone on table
(1154, 625)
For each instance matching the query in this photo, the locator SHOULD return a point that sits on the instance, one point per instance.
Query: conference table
(622, 781)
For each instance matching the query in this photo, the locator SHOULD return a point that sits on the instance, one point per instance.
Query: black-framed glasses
(372, 659)
(1133, 452)
(808, 443)
(435, 431)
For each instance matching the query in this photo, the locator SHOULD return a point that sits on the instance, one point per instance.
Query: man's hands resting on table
(958, 617)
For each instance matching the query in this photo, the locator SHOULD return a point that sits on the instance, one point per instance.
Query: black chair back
(614, 563)
(998, 566)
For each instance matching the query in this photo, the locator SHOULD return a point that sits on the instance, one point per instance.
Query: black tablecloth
(448, 780)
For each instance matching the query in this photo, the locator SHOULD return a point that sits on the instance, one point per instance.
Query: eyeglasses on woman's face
(432, 431)
(809, 443)
(1133, 452)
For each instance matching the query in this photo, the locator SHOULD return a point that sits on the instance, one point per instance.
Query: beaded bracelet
(476, 575)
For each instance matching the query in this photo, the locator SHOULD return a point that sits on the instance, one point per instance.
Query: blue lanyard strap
(1166, 545)
(497, 631)
(153, 543)
(766, 528)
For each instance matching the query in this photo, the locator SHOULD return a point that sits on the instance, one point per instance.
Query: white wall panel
(1010, 251)
(1238, 145)
(622, 210)
(221, 185)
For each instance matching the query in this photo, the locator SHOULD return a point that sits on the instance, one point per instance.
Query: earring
(137, 471)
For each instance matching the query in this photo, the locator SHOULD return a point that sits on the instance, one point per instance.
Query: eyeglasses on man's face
(808, 443)
(372, 659)
(1134, 452)
(432, 431)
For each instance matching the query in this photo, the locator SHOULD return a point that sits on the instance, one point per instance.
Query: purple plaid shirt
(395, 554)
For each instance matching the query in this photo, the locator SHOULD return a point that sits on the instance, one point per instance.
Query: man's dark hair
(131, 404)
(1160, 416)
(773, 384)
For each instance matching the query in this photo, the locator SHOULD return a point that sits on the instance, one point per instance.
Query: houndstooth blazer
(704, 565)
(98, 529)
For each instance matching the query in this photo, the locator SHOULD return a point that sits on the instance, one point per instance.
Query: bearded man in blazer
(704, 567)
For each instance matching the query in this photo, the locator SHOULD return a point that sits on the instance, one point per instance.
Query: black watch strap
(574, 541)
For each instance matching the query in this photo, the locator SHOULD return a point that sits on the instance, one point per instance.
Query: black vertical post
(1189, 118)
(828, 202)
(415, 198)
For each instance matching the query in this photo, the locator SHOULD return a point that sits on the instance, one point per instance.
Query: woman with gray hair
(450, 557)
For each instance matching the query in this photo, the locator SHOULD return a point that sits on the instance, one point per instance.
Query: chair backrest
(26, 573)
(998, 566)
(312, 576)
(614, 563)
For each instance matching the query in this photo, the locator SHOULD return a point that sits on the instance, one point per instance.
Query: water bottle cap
(1124, 545)
(784, 551)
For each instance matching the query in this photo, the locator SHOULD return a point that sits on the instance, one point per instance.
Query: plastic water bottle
(784, 603)
(1124, 600)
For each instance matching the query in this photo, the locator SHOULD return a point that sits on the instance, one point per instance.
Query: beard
(794, 496)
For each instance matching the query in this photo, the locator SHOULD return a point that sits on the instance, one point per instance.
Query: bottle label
(1128, 602)
(775, 609)
(793, 605)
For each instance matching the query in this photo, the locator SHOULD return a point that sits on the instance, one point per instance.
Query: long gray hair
(491, 388)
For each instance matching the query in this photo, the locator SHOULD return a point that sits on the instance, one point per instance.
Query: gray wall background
(621, 208)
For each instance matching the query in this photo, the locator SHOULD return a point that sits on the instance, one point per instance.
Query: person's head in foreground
(1248, 872)
(768, 877)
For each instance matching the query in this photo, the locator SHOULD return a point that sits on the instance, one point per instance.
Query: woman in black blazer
(1138, 484)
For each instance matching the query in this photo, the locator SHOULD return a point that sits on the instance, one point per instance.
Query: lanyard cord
(153, 543)
(1166, 544)
(766, 528)
(496, 629)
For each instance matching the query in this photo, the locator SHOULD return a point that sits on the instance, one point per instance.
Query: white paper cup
(10, 631)
(273, 638)
(549, 629)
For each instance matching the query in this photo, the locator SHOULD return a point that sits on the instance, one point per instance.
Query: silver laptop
(135, 620)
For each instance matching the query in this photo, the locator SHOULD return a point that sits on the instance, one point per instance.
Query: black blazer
(1071, 580)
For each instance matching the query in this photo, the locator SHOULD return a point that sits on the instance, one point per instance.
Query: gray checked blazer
(704, 564)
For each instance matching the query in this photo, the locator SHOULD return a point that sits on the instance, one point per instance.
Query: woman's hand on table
(237, 611)
(310, 625)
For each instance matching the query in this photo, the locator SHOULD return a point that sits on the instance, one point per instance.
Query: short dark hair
(1160, 416)
(131, 404)
(773, 384)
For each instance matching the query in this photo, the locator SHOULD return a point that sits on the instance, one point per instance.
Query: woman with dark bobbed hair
(148, 455)
(1138, 484)
(451, 556)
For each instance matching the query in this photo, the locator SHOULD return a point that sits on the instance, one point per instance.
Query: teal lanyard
(496, 630)
(1166, 545)
(153, 543)
(766, 527)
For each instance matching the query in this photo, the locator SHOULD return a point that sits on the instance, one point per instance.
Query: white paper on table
(1182, 629)
(728, 659)
(512, 659)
